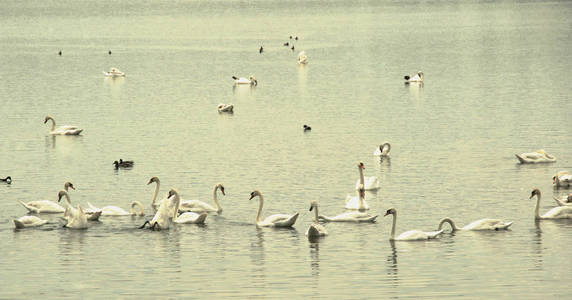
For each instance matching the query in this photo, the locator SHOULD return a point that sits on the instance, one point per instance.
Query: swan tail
(371, 219)
(503, 226)
(520, 159)
(95, 216)
(30, 208)
(201, 218)
(289, 222)
(19, 224)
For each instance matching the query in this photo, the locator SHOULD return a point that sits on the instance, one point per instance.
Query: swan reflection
(315, 258)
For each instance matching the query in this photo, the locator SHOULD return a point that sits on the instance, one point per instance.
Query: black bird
(60, 53)
(290, 37)
(8, 180)
(109, 52)
(261, 49)
(123, 164)
(307, 128)
(296, 38)
(286, 44)
(292, 48)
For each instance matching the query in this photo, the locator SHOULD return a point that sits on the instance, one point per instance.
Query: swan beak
(150, 181)
(251, 196)
(222, 191)
(386, 213)
(72, 187)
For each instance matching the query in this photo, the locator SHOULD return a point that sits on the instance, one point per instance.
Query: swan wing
(280, 220)
(191, 218)
(417, 235)
(487, 224)
(43, 206)
(352, 216)
(29, 221)
(559, 212)
(196, 206)
(113, 211)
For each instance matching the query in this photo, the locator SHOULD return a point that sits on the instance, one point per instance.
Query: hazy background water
(496, 83)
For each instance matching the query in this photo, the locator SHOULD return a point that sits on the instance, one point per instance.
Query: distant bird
(109, 52)
(307, 128)
(60, 53)
(286, 44)
(250, 80)
(296, 38)
(123, 164)
(8, 180)
(261, 49)
(290, 37)
(292, 48)
(225, 108)
(416, 78)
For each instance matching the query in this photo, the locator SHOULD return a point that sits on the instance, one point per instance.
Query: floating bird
(277, 220)
(29, 221)
(417, 78)
(123, 164)
(562, 179)
(198, 206)
(383, 149)
(111, 210)
(540, 156)
(114, 72)
(482, 224)
(60, 53)
(411, 235)
(286, 44)
(292, 48)
(109, 52)
(225, 108)
(316, 229)
(302, 58)
(260, 50)
(290, 37)
(370, 183)
(296, 38)
(559, 212)
(307, 128)
(8, 180)
(251, 80)
(62, 130)
(565, 201)
(46, 206)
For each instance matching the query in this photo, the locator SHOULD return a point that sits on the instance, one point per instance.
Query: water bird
(559, 212)
(198, 206)
(411, 235)
(352, 216)
(540, 156)
(286, 44)
(277, 220)
(383, 150)
(482, 224)
(164, 215)
(123, 164)
(60, 53)
(242, 80)
(62, 130)
(47, 206)
(156, 204)
(562, 179)
(28, 221)
(260, 50)
(566, 200)
(76, 218)
(307, 128)
(8, 180)
(292, 47)
(187, 217)
(111, 210)
(296, 38)
(225, 108)
(302, 58)
(290, 37)
(109, 52)
(370, 183)
(417, 78)
(114, 72)
(316, 229)
(357, 202)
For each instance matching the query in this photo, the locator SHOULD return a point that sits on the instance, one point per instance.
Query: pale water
(496, 83)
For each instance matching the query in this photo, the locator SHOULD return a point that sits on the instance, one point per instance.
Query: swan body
(416, 78)
(352, 216)
(242, 80)
(225, 108)
(357, 202)
(482, 224)
(165, 215)
(198, 206)
(540, 156)
(62, 130)
(76, 218)
(114, 72)
(316, 229)
(118, 211)
(46, 206)
(370, 183)
(302, 58)
(560, 212)
(29, 221)
(562, 179)
(565, 201)
(411, 235)
(383, 150)
(277, 220)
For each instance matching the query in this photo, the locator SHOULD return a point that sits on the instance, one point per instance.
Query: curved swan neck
(388, 148)
(68, 201)
(260, 203)
(177, 200)
(448, 220)
(153, 204)
(215, 198)
(132, 210)
(53, 122)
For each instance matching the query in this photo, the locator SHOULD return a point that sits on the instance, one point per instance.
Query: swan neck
(215, 199)
(448, 220)
(68, 201)
(260, 203)
(53, 123)
(177, 200)
(153, 204)
(537, 208)
(393, 226)
(316, 214)
(361, 178)
(136, 203)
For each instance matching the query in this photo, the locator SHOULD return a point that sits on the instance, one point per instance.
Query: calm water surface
(496, 84)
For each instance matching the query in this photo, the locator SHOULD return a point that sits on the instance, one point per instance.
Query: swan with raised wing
(76, 218)
(187, 217)
(316, 229)
(47, 206)
(29, 221)
(562, 179)
(352, 216)
(198, 206)
(164, 215)
(111, 210)
(540, 156)
(242, 80)
(560, 212)
(370, 183)
(411, 235)
(383, 150)
(482, 224)
(62, 130)
(277, 220)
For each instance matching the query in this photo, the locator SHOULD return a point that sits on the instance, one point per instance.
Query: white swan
(117, 211)
(540, 156)
(357, 202)
(316, 229)
(250, 80)
(46, 206)
(482, 224)
(411, 235)
(164, 215)
(198, 206)
(560, 212)
(62, 130)
(188, 217)
(565, 201)
(370, 183)
(562, 179)
(225, 108)
(76, 218)
(353, 216)
(302, 58)
(417, 78)
(114, 72)
(29, 221)
(383, 150)
(277, 220)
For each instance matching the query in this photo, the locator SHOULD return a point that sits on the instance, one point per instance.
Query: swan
(411, 235)
(277, 220)
(187, 217)
(316, 229)
(417, 78)
(251, 80)
(62, 130)
(8, 179)
(482, 224)
(123, 164)
(562, 179)
(29, 221)
(370, 183)
(566, 200)
(47, 206)
(560, 212)
(198, 206)
(118, 211)
(302, 58)
(540, 156)
(113, 72)
(357, 202)
(383, 150)
(76, 218)
(225, 108)
(353, 216)
(164, 214)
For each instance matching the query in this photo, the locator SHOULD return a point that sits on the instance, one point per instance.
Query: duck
(478, 225)
(411, 235)
(164, 215)
(277, 220)
(111, 210)
(186, 217)
(198, 206)
(302, 58)
(370, 183)
(559, 212)
(562, 179)
(316, 229)
(566, 200)
(307, 128)
(286, 44)
(417, 78)
(123, 164)
(62, 130)
(540, 156)
(76, 218)
(383, 150)
(225, 108)
(47, 206)
(250, 80)
(260, 50)
(8, 180)
(28, 221)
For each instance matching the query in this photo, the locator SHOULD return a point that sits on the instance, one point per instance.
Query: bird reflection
(315, 258)
(537, 245)
(71, 246)
(415, 88)
(257, 249)
(392, 263)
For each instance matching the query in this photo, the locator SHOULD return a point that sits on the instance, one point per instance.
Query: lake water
(496, 84)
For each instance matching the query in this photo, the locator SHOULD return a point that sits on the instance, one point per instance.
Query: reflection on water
(415, 88)
(391, 264)
(315, 258)
(537, 245)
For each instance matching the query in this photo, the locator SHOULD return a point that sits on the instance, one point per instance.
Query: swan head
(153, 179)
(48, 117)
(172, 193)
(360, 165)
(313, 204)
(390, 211)
(254, 194)
(61, 194)
(68, 185)
(219, 185)
(535, 192)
